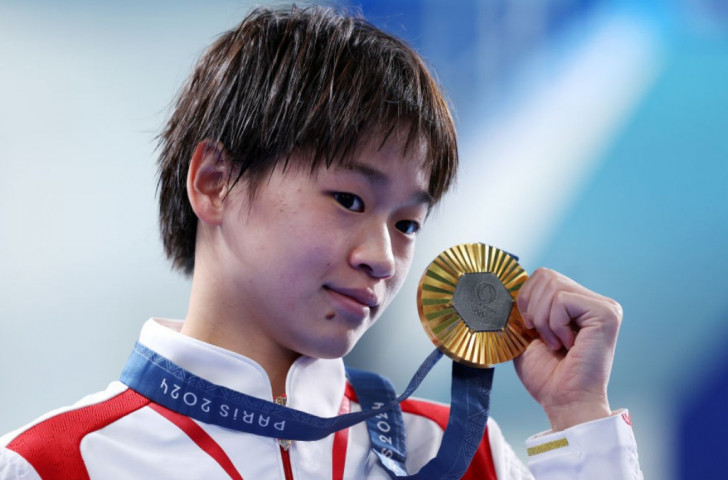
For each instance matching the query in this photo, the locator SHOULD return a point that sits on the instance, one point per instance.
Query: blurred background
(594, 141)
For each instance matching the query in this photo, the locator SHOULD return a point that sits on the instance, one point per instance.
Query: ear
(207, 180)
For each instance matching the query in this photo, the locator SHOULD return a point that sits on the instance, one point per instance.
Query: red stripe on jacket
(64, 433)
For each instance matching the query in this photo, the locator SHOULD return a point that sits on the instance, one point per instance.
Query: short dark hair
(291, 80)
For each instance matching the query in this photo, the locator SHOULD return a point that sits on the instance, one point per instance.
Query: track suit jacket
(119, 434)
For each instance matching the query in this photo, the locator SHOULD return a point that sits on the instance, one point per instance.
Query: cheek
(402, 268)
(404, 259)
(309, 255)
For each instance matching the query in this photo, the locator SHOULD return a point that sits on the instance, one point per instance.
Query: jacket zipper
(286, 457)
(285, 445)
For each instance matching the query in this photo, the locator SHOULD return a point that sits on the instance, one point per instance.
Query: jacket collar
(315, 386)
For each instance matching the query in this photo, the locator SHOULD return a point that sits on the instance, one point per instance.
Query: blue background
(593, 141)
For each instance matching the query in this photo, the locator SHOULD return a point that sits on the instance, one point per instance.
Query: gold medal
(466, 302)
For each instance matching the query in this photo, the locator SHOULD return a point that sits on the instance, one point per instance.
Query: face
(309, 263)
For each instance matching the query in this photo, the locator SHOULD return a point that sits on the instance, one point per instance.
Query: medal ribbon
(470, 397)
(171, 386)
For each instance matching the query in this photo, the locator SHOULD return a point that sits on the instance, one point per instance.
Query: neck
(211, 324)
(218, 314)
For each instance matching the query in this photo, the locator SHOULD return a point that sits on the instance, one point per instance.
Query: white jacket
(118, 434)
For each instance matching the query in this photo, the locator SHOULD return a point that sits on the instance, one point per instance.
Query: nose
(373, 252)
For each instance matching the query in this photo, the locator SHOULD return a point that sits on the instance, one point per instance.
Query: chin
(333, 348)
(332, 351)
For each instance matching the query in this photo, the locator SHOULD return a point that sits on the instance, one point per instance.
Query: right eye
(349, 201)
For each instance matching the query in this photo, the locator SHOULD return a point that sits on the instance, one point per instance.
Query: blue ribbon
(386, 429)
(470, 401)
(168, 384)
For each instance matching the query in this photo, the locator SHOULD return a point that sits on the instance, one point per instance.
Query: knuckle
(541, 272)
(616, 309)
(556, 282)
(560, 297)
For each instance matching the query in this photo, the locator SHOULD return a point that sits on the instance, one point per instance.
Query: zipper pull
(283, 400)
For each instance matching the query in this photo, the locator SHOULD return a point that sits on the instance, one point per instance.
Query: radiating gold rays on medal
(443, 324)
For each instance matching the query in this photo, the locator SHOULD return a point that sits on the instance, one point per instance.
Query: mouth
(354, 301)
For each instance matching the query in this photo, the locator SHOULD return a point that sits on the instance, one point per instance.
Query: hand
(567, 369)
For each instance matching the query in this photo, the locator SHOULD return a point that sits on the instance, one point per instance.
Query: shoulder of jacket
(111, 391)
(51, 444)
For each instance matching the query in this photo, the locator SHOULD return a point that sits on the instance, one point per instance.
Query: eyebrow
(377, 177)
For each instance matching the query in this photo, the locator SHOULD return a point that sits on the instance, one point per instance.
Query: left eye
(349, 201)
(408, 227)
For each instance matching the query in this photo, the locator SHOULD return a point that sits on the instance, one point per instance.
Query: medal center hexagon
(482, 302)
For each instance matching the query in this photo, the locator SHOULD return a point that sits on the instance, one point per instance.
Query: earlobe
(207, 181)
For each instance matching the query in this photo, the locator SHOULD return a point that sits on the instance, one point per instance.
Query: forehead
(374, 155)
(388, 166)
(393, 148)
(393, 152)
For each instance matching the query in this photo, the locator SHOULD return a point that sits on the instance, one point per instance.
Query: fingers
(535, 302)
(557, 307)
(560, 323)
